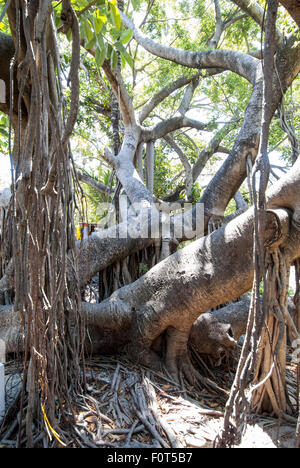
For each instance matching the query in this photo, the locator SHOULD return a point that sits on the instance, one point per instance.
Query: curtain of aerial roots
(263, 358)
(269, 386)
(126, 272)
(268, 389)
(297, 347)
(44, 243)
(262, 362)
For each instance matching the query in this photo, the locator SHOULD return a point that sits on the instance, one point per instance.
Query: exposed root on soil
(130, 406)
(122, 408)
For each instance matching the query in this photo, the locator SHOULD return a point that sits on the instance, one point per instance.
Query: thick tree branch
(150, 166)
(85, 178)
(241, 203)
(197, 274)
(161, 95)
(121, 93)
(232, 173)
(169, 126)
(237, 62)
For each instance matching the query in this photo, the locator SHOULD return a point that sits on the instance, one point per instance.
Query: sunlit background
(4, 171)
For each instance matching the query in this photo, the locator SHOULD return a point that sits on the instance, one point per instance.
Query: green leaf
(99, 21)
(123, 61)
(134, 4)
(90, 44)
(126, 36)
(69, 35)
(100, 56)
(124, 53)
(88, 31)
(108, 51)
(114, 33)
(101, 16)
(116, 17)
(98, 25)
(3, 132)
(100, 41)
(114, 59)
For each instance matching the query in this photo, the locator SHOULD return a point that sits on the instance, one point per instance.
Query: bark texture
(293, 8)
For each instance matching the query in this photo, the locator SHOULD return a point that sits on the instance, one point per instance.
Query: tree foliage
(218, 99)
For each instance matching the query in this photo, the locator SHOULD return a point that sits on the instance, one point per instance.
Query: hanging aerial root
(43, 233)
(269, 384)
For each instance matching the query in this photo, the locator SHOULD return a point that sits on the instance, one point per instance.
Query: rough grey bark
(209, 272)
(216, 332)
(105, 248)
(232, 173)
(102, 250)
(140, 161)
(227, 181)
(237, 62)
(217, 194)
(213, 333)
(138, 315)
(150, 166)
(85, 178)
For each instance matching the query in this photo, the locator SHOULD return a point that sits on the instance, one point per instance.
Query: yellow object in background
(85, 230)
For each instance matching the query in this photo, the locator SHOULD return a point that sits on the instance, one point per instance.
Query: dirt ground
(132, 407)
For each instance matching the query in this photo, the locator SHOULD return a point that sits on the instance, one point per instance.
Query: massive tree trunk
(147, 316)
(207, 273)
